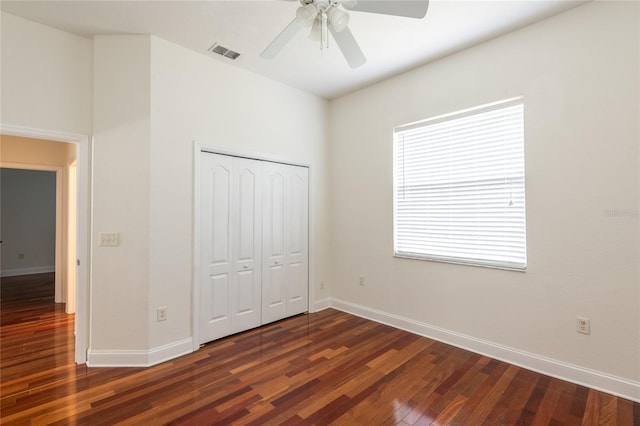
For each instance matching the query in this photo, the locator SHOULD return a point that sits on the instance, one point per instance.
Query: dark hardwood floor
(323, 368)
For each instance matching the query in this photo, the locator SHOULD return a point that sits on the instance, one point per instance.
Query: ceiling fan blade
(407, 8)
(281, 40)
(349, 47)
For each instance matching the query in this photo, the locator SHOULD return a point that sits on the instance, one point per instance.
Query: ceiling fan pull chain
(328, 38)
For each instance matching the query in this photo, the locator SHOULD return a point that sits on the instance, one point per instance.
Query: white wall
(579, 74)
(46, 77)
(196, 98)
(28, 221)
(121, 199)
(152, 100)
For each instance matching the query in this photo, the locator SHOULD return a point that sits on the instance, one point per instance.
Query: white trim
(195, 288)
(562, 370)
(117, 358)
(491, 106)
(83, 222)
(249, 155)
(35, 133)
(139, 358)
(27, 271)
(61, 220)
(170, 351)
(322, 304)
(311, 269)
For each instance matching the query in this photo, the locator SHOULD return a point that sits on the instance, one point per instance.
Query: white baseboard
(27, 271)
(572, 373)
(139, 358)
(322, 304)
(117, 358)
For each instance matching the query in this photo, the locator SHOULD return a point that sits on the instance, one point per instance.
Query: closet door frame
(200, 149)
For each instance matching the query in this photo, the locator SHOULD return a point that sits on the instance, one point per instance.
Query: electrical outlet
(583, 325)
(361, 280)
(161, 313)
(321, 285)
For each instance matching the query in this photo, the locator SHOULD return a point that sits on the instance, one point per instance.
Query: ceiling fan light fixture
(338, 19)
(306, 14)
(348, 4)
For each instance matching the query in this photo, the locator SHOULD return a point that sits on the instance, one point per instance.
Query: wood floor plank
(625, 412)
(561, 412)
(392, 398)
(544, 414)
(482, 402)
(318, 369)
(512, 403)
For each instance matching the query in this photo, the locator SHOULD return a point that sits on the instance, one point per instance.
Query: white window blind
(459, 187)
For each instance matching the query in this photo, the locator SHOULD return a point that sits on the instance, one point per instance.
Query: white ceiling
(391, 44)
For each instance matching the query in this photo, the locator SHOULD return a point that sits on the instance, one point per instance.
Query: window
(459, 187)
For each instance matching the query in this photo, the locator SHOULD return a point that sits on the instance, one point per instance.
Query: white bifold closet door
(254, 259)
(231, 220)
(285, 241)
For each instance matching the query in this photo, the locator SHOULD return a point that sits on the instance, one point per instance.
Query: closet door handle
(245, 267)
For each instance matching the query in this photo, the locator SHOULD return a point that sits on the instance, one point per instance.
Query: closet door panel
(273, 243)
(285, 241)
(297, 240)
(296, 211)
(216, 254)
(247, 229)
(219, 209)
(274, 218)
(216, 298)
(246, 303)
(295, 276)
(249, 213)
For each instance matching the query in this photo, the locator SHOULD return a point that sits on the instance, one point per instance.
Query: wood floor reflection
(324, 368)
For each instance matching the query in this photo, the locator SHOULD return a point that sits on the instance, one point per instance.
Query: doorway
(27, 148)
(38, 219)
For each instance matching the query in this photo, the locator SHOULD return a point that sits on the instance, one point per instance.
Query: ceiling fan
(324, 16)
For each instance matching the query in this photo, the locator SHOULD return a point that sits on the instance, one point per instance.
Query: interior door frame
(198, 150)
(83, 222)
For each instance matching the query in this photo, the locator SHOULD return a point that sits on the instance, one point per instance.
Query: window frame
(503, 265)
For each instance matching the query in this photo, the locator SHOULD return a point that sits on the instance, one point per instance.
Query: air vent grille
(223, 51)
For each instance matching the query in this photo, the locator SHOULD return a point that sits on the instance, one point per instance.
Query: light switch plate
(109, 239)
